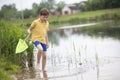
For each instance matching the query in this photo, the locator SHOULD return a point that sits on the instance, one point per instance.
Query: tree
(60, 6)
(8, 11)
(103, 4)
(49, 4)
(34, 9)
(27, 13)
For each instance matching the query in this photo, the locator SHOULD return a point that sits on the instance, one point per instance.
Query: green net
(21, 46)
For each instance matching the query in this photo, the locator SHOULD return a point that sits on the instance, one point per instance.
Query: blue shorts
(36, 43)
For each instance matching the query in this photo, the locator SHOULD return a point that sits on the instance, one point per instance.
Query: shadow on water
(85, 53)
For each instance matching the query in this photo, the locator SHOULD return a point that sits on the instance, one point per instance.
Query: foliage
(34, 9)
(27, 13)
(8, 12)
(10, 34)
(60, 6)
(7, 68)
(4, 76)
(102, 4)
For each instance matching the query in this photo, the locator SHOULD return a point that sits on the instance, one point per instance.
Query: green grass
(7, 69)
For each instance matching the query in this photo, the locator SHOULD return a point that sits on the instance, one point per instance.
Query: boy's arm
(47, 42)
(29, 29)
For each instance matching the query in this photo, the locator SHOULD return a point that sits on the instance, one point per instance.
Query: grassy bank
(85, 17)
(108, 29)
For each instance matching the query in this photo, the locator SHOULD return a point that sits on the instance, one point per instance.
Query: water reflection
(97, 70)
(105, 29)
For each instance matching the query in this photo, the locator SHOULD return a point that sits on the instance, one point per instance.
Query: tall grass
(10, 33)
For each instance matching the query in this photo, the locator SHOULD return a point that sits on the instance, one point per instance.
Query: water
(78, 57)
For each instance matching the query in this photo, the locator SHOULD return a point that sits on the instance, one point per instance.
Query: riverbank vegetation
(10, 63)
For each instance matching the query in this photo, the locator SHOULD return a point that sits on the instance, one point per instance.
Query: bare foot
(38, 66)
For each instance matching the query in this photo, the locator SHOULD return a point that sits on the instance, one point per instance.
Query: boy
(38, 29)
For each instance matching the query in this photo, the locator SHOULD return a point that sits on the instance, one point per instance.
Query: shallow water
(79, 57)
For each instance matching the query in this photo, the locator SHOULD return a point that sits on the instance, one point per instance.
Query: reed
(80, 58)
(74, 48)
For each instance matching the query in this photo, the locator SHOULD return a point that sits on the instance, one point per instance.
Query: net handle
(27, 37)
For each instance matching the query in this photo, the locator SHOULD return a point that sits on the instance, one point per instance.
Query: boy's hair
(44, 11)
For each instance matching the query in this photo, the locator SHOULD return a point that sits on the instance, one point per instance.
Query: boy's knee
(40, 50)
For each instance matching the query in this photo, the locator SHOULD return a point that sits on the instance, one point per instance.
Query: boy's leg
(45, 76)
(39, 47)
(43, 60)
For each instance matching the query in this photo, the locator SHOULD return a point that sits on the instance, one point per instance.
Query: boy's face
(43, 18)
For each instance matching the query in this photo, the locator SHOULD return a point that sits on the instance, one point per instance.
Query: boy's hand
(47, 45)
(29, 31)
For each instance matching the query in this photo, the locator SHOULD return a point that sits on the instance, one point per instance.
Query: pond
(76, 55)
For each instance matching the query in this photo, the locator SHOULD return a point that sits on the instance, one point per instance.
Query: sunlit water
(79, 57)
